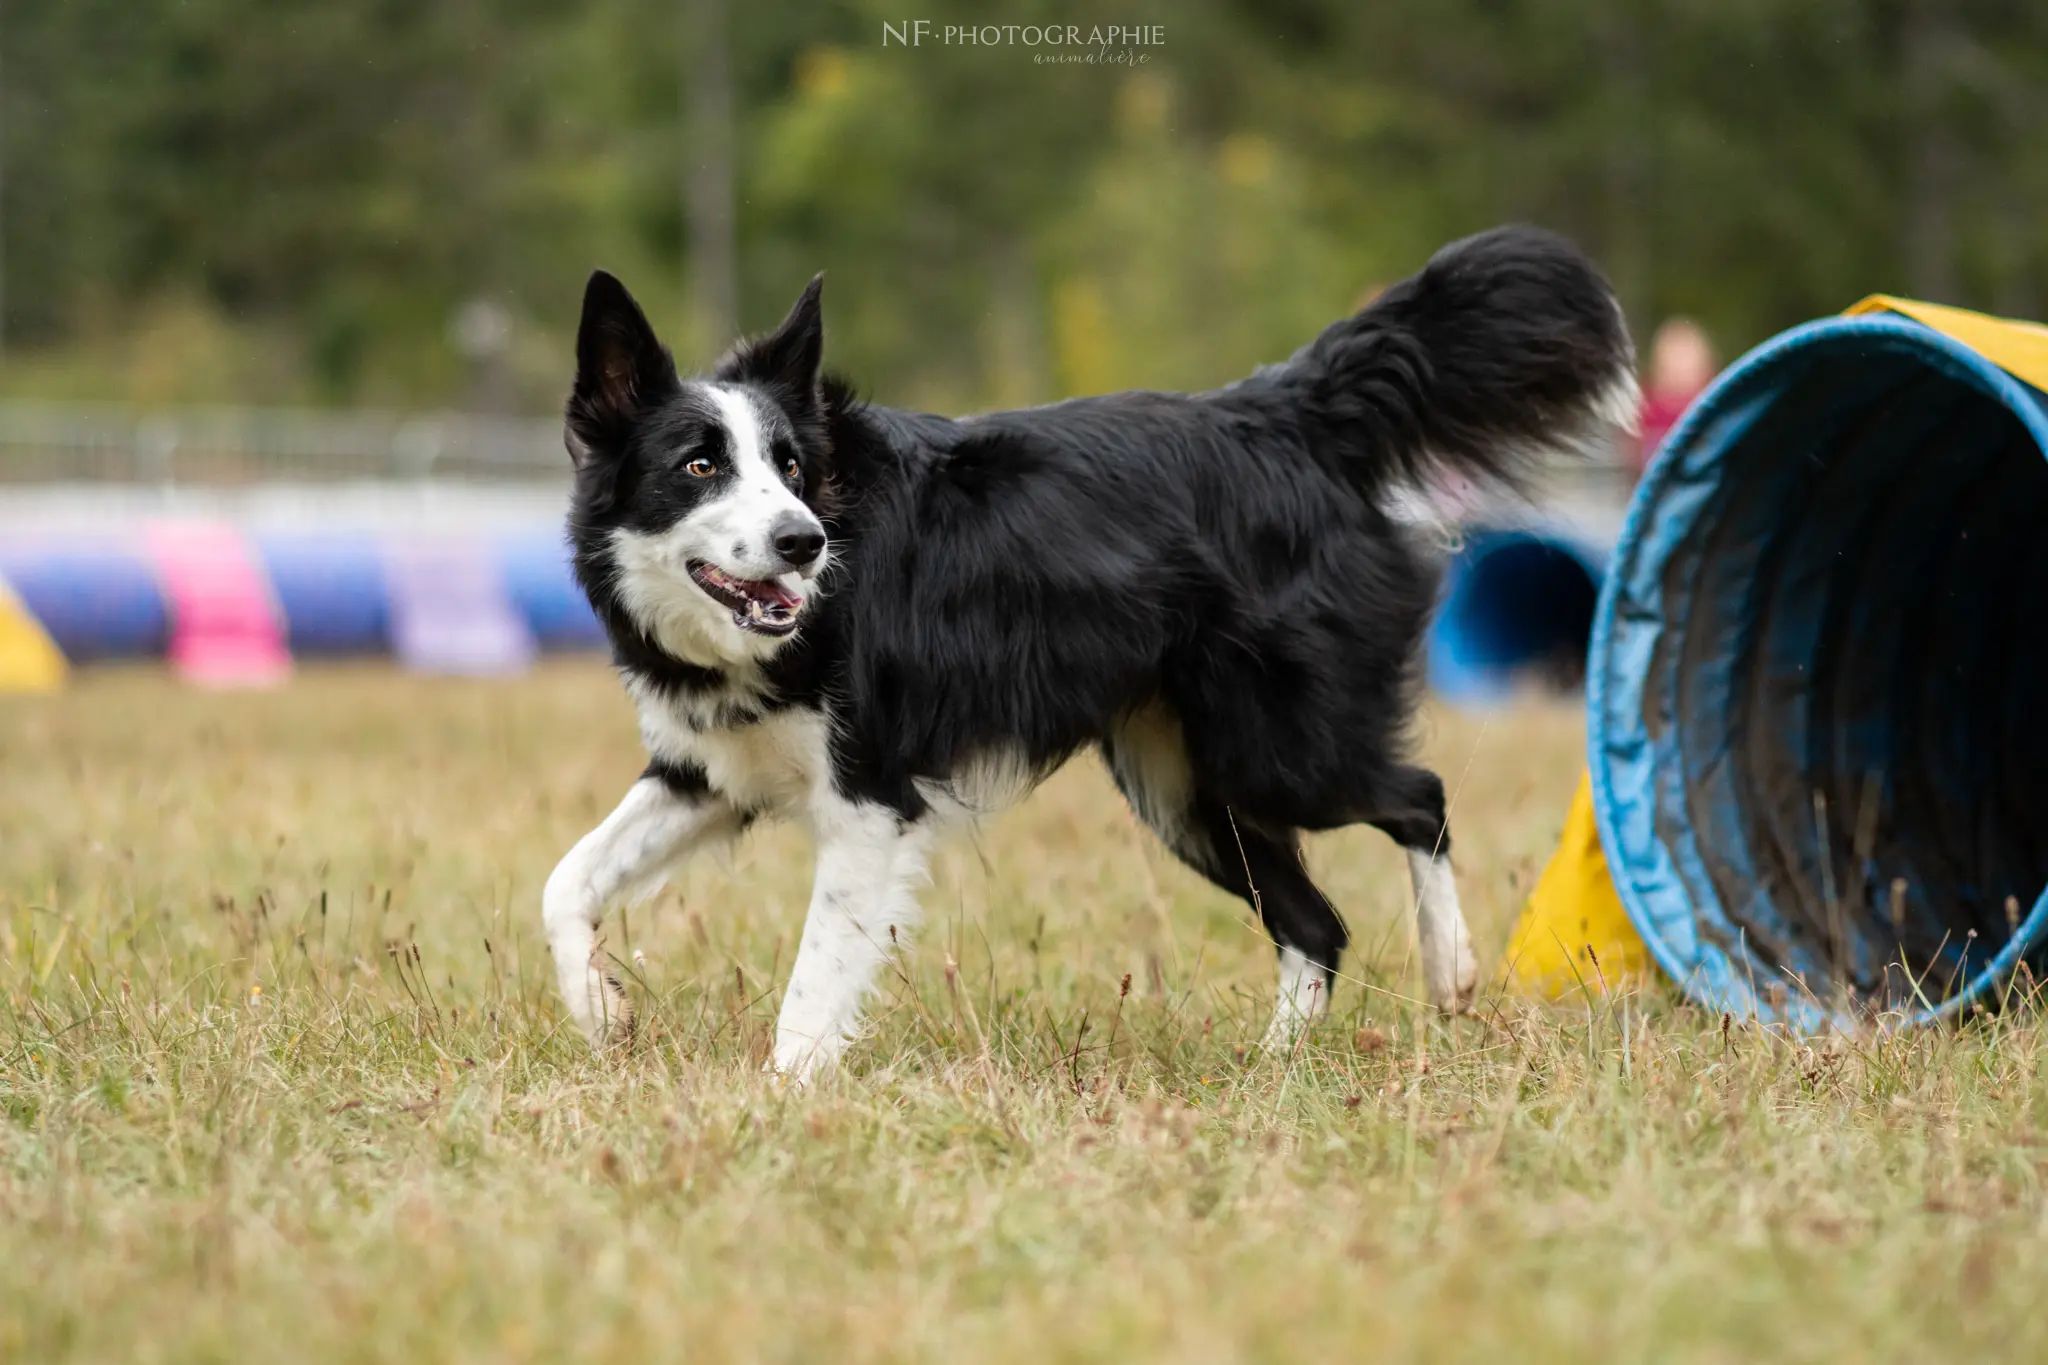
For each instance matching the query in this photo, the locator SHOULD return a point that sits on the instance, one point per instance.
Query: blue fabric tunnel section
(330, 587)
(1815, 681)
(97, 601)
(1517, 610)
(541, 584)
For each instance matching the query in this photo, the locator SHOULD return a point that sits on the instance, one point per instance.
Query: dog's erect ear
(794, 352)
(621, 369)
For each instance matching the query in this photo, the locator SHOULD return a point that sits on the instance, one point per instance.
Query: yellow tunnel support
(1574, 936)
(29, 660)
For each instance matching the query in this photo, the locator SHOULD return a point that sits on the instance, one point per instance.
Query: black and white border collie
(884, 623)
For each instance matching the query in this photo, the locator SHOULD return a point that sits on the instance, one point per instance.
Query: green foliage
(331, 179)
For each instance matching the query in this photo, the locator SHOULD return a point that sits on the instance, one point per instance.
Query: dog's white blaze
(863, 907)
(1450, 969)
(1304, 997)
(759, 497)
(626, 857)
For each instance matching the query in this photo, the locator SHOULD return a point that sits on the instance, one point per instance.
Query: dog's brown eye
(701, 467)
(792, 471)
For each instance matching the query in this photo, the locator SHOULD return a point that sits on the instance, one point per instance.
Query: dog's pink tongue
(782, 596)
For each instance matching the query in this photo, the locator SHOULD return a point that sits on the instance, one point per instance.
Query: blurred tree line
(284, 200)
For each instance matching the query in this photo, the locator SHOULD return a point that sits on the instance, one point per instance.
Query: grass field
(283, 1078)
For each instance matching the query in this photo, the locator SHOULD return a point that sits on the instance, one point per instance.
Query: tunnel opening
(1517, 614)
(1842, 774)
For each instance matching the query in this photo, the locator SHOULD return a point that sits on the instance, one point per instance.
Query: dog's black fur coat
(1024, 582)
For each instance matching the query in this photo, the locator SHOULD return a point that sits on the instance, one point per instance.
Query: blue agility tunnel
(1818, 670)
(1516, 610)
(543, 587)
(96, 599)
(330, 589)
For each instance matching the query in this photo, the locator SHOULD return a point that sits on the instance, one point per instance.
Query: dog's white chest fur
(771, 765)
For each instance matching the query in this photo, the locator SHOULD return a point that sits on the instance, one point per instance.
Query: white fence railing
(90, 443)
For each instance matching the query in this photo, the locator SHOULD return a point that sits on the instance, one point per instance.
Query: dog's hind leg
(628, 856)
(1450, 968)
(1267, 871)
(1409, 807)
(1148, 759)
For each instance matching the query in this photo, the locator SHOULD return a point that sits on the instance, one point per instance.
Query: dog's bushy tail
(1507, 349)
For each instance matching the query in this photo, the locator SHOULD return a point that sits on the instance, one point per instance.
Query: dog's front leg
(862, 905)
(628, 856)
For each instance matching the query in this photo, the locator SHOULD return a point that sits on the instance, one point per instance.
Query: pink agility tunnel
(226, 630)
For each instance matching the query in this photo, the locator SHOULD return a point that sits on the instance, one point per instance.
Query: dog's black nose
(798, 540)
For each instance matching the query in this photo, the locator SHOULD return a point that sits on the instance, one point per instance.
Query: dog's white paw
(616, 1024)
(1283, 1036)
(604, 1009)
(1450, 969)
(800, 1060)
(1303, 998)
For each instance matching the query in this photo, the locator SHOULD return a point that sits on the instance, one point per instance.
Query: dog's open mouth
(764, 607)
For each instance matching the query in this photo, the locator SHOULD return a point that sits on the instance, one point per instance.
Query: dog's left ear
(792, 355)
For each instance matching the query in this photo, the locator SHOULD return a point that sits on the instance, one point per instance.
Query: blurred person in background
(1682, 364)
